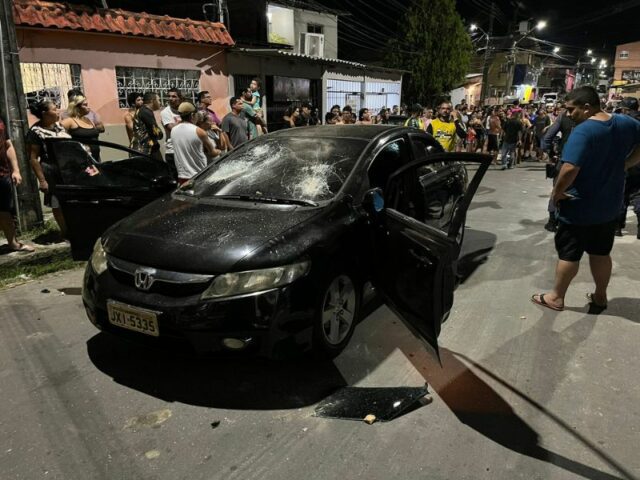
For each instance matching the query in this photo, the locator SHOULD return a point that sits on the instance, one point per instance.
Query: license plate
(133, 318)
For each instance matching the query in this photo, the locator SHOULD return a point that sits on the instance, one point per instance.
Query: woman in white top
(191, 144)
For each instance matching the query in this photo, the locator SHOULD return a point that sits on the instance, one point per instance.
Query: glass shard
(356, 403)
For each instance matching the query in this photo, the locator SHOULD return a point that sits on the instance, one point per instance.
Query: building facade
(292, 46)
(626, 77)
(109, 52)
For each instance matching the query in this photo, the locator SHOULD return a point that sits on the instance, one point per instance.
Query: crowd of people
(194, 135)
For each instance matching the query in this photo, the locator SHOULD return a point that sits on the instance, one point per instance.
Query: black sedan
(276, 247)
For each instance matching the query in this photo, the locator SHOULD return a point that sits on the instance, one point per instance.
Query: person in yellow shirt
(446, 127)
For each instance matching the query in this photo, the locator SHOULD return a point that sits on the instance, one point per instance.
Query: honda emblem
(144, 278)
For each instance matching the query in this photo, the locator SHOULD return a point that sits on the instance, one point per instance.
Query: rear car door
(95, 195)
(416, 255)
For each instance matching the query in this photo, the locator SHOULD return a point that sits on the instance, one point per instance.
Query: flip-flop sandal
(542, 303)
(24, 248)
(593, 303)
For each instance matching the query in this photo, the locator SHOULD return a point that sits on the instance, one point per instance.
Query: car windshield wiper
(258, 198)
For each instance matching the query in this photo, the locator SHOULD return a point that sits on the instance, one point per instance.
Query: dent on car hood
(199, 237)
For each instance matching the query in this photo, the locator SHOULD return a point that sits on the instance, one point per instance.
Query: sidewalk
(52, 254)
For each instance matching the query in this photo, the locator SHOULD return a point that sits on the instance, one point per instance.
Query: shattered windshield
(312, 169)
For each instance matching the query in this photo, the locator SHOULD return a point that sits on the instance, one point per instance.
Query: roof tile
(38, 13)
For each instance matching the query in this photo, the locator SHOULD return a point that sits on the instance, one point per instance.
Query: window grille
(158, 80)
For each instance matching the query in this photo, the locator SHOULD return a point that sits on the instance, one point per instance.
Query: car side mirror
(163, 182)
(373, 201)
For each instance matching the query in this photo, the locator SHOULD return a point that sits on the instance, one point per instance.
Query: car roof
(364, 132)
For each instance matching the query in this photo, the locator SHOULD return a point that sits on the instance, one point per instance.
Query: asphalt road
(523, 393)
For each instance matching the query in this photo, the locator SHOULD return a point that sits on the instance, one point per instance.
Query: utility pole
(12, 104)
(485, 64)
(511, 58)
(514, 52)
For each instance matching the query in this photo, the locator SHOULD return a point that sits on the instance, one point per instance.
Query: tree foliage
(434, 46)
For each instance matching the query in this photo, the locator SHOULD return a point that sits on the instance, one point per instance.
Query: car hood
(197, 237)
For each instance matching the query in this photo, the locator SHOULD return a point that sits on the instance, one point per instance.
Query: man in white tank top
(191, 144)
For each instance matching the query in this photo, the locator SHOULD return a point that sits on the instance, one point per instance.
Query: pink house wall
(99, 54)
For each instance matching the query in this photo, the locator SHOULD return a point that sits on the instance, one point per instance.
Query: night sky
(576, 25)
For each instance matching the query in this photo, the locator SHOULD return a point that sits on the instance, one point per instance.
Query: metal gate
(50, 80)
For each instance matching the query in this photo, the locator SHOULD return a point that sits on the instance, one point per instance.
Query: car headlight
(242, 283)
(98, 258)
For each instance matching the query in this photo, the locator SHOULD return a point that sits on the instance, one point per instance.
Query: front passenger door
(414, 265)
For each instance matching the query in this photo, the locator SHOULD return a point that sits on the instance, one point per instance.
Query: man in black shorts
(9, 176)
(588, 194)
(494, 128)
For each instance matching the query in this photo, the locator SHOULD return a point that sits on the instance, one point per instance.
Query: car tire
(337, 313)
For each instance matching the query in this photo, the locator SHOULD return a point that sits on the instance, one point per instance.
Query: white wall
(360, 92)
(329, 24)
(457, 95)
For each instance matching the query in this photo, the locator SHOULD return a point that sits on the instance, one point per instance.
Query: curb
(17, 268)
(43, 254)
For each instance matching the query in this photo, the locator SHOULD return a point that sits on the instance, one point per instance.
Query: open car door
(415, 259)
(95, 195)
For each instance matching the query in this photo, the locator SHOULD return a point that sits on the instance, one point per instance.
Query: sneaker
(504, 167)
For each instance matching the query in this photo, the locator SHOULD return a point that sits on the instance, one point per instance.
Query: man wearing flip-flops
(589, 193)
(9, 176)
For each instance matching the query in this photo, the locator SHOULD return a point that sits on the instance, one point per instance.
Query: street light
(589, 52)
(485, 61)
(556, 49)
(473, 27)
(541, 24)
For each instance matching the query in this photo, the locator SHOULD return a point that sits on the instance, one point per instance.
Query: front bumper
(273, 324)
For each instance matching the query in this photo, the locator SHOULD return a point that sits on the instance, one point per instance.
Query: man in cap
(191, 144)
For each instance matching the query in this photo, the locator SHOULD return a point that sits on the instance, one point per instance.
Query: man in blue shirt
(588, 194)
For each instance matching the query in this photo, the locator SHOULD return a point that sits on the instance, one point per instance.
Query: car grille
(165, 282)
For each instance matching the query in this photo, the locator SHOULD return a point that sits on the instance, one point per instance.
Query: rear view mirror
(373, 201)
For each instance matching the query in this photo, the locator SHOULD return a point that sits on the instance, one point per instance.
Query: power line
(356, 38)
(363, 12)
(599, 15)
(492, 8)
